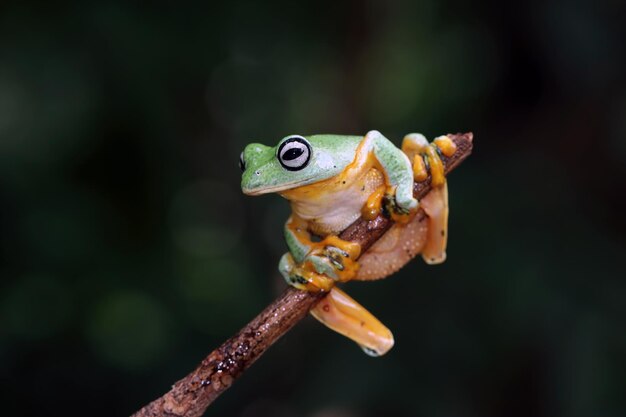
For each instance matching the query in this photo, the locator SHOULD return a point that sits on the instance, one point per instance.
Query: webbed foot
(301, 277)
(330, 260)
(425, 157)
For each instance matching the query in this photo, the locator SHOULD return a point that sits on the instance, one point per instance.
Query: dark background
(128, 251)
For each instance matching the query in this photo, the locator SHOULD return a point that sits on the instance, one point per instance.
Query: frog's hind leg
(435, 204)
(345, 316)
(401, 243)
(404, 241)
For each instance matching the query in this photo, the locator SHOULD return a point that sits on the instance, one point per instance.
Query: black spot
(443, 233)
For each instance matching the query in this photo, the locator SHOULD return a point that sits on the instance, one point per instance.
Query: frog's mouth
(276, 188)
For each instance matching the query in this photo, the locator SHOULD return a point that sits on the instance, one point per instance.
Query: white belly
(334, 207)
(344, 209)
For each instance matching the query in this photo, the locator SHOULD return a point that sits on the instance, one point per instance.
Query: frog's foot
(425, 156)
(303, 277)
(328, 261)
(383, 199)
(413, 144)
(334, 257)
(345, 316)
(398, 212)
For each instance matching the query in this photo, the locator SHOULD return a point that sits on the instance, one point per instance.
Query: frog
(330, 182)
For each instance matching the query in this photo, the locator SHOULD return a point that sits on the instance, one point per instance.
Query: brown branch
(190, 396)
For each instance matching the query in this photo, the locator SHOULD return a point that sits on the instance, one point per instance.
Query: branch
(190, 396)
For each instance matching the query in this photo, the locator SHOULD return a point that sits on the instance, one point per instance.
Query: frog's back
(342, 147)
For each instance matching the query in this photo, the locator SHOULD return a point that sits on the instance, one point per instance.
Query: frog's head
(294, 162)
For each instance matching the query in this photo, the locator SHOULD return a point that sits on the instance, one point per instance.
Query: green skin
(329, 156)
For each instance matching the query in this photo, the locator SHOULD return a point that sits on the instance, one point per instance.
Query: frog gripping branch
(351, 192)
(331, 181)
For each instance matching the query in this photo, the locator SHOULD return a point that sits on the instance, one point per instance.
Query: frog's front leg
(398, 173)
(316, 266)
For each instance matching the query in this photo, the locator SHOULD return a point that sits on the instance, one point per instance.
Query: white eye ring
(294, 153)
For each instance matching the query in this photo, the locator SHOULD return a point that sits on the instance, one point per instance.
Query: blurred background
(128, 251)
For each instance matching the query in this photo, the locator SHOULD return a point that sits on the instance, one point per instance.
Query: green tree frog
(331, 181)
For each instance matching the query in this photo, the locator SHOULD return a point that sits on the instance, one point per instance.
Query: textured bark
(190, 396)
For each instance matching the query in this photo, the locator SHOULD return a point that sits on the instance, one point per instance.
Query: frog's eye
(242, 163)
(294, 153)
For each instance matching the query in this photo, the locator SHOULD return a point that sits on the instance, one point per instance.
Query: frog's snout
(252, 162)
(251, 182)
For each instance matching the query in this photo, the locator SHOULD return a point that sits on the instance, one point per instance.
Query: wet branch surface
(191, 396)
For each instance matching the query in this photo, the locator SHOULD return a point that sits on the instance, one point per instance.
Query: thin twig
(190, 396)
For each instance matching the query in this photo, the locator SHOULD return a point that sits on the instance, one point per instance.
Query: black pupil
(292, 153)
